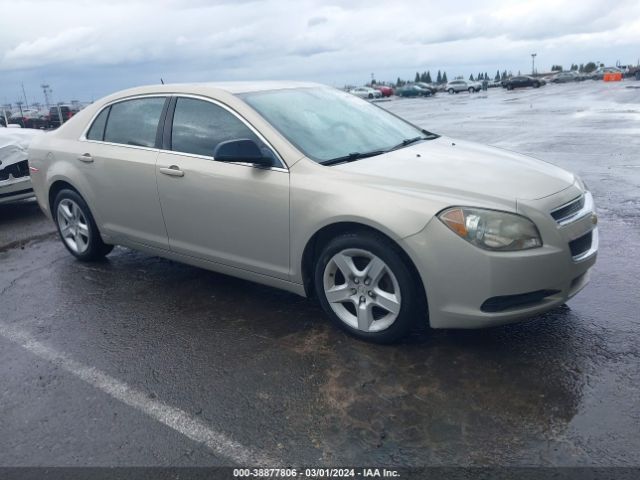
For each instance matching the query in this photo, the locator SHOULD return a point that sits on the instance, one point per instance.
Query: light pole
(533, 63)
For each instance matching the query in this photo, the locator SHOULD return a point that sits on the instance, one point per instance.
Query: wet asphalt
(264, 368)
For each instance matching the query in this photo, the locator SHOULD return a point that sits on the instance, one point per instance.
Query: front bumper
(15, 189)
(468, 287)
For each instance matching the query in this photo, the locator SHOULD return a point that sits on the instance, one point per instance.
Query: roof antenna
(161, 81)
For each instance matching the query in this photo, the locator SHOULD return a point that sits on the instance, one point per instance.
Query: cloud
(317, 21)
(125, 42)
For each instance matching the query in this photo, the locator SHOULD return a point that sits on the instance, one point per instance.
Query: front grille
(569, 209)
(581, 244)
(505, 302)
(15, 194)
(20, 169)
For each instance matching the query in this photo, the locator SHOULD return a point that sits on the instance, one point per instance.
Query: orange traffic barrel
(612, 77)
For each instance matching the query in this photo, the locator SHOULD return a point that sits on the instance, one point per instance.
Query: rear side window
(96, 132)
(199, 126)
(134, 122)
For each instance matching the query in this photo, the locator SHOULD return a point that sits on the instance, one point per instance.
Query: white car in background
(15, 183)
(366, 92)
(457, 86)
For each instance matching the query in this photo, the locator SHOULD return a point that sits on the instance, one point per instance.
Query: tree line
(582, 68)
(441, 77)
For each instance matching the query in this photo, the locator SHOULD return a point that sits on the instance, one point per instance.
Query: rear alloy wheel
(366, 287)
(77, 228)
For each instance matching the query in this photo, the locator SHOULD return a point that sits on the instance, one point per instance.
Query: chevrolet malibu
(312, 190)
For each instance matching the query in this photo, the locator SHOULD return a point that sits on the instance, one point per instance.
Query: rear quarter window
(96, 132)
(134, 122)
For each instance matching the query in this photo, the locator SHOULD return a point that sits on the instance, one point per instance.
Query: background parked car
(385, 90)
(600, 72)
(523, 81)
(428, 86)
(366, 92)
(565, 77)
(15, 182)
(28, 118)
(412, 91)
(456, 86)
(53, 120)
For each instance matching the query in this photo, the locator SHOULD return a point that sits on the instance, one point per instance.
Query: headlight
(492, 229)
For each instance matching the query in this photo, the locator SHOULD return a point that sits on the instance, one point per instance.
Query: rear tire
(366, 287)
(77, 228)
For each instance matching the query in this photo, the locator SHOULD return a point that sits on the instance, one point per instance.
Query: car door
(118, 157)
(229, 213)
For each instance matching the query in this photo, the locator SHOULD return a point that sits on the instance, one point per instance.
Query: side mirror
(241, 150)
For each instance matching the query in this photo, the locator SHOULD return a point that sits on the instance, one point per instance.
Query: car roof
(216, 87)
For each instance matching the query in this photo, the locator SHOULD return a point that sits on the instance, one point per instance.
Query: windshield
(327, 124)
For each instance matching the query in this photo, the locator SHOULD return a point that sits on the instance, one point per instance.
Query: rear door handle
(172, 171)
(86, 158)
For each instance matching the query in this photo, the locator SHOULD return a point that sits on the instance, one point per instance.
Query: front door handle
(86, 158)
(172, 171)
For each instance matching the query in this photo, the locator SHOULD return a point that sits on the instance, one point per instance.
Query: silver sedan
(315, 191)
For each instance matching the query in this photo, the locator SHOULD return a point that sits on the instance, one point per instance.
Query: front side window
(199, 126)
(134, 122)
(326, 124)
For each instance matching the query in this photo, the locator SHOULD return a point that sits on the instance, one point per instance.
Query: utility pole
(47, 91)
(533, 63)
(24, 94)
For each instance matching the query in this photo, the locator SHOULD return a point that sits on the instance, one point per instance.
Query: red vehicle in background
(385, 90)
(54, 118)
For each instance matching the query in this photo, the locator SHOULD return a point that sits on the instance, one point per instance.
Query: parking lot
(142, 361)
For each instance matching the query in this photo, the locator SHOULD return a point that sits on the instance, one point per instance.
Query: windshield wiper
(405, 142)
(353, 157)
(357, 155)
(408, 141)
(430, 135)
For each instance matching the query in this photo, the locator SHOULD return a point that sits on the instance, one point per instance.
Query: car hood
(463, 170)
(14, 143)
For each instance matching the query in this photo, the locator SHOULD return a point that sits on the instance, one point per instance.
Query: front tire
(77, 228)
(451, 91)
(472, 90)
(366, 287)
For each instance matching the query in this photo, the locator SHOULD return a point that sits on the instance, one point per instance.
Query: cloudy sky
(88, 48)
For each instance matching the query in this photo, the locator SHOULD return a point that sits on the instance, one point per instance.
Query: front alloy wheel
(365, 284)
(362, 290)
